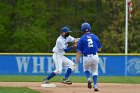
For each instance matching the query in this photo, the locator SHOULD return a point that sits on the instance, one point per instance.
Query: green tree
(34, 25)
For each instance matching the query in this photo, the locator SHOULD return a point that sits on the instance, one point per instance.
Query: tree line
(32, 26)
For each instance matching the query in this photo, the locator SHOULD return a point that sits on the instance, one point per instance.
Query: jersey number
(90, 43)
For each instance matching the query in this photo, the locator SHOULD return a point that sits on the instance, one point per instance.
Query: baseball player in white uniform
(58, 56)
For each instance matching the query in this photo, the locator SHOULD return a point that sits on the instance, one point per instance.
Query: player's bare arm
(77, 57)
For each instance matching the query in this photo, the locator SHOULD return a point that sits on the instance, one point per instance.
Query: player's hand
(74, 45)
(76, 40)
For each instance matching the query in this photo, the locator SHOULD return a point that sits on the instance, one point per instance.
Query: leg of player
(58, 65)
(51, 76)
(70, 64)
(86, 65)
(68, 73)
(94, 69)
(87, 73)
(46, 81)
(95, 78)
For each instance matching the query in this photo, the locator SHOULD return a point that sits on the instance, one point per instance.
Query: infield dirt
(77, 87)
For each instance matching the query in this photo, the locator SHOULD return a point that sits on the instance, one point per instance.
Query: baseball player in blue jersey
(58, 55)
(88, 46)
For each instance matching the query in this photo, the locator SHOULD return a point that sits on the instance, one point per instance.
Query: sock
(50, 76)
(95, 77)
(69, 70)
(87, 73)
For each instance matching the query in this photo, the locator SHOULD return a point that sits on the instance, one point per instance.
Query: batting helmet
(85, 27)
(65, 29)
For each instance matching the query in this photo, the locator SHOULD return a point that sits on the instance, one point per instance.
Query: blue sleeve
(68, 49)
(99, 45)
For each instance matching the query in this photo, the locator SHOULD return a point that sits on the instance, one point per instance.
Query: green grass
(120, 79)
(102, 79)
(16, 90)
(18, 78)
(109, 79)
(78, 79)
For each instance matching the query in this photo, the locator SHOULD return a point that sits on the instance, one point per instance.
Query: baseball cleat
(95, 88)
(46, 82)
(65, 81)
(89, 84)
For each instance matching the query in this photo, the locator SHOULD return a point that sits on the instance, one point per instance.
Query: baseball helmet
(85, 27)
(65, 29)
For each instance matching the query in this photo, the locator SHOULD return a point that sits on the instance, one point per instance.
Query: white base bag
(48, 85)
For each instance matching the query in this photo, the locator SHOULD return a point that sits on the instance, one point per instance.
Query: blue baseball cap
(85, 27)
(65, 29)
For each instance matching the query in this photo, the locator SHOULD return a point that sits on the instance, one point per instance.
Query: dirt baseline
(77, 87)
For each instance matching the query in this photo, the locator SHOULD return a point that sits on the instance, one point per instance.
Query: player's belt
(89, 54)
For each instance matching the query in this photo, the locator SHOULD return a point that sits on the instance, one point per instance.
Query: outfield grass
(17, 90)
(78, 79)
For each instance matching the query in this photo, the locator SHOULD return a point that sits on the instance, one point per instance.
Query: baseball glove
(74, 45)
(76, 40)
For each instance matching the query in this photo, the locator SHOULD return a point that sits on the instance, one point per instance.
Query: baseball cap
(65, 29)
(85, 27)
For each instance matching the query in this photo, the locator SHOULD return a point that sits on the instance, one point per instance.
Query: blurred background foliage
(32, 26)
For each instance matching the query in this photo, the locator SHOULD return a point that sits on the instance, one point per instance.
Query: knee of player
(58, 72)
(95, 73)
(86, 70)
(72, 68)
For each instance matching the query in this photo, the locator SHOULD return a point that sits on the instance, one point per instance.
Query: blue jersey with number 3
(88, 44)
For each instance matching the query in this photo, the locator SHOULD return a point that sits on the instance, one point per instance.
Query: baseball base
(48, 85)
